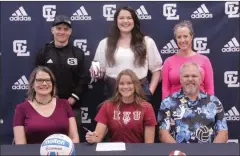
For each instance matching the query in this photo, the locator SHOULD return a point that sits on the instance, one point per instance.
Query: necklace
(41, 103)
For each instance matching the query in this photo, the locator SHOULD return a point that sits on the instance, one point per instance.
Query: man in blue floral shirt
(190, 115)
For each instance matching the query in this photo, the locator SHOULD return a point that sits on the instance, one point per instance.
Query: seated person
(42, 113)
(127, 116)
(191, 115)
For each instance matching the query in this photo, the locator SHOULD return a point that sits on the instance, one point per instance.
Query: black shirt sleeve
(40, 60)
(81, 74)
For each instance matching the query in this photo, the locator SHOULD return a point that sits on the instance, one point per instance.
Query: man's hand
(71, 101)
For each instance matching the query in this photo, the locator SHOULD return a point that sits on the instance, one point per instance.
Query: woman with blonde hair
(127, 116)
(184, 34)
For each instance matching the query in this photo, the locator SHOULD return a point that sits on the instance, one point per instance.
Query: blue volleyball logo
(57, 144)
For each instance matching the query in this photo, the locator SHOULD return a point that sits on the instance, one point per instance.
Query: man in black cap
(66, 62)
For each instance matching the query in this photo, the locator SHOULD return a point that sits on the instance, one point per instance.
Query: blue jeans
(148, 93)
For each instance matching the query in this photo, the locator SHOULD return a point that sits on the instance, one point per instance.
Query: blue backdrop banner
(25, 28)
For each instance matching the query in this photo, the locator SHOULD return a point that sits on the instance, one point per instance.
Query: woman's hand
(91, 137)
(96, 72)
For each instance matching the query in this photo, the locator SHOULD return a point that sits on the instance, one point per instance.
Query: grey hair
(190, 64)
(31, 92)
(184, 23)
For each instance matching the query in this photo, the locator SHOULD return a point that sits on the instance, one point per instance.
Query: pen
(88, 130)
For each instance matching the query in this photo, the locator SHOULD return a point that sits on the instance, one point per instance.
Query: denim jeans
(148, 93)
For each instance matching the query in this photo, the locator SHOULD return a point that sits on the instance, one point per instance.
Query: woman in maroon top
(43, 114)
(127, 116)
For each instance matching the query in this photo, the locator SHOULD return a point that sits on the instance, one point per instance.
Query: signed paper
(113, 146)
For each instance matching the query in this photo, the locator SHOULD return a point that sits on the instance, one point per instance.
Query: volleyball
(57, 144)
(177, 153)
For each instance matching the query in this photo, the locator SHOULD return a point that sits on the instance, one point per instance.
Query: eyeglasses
(40, 81)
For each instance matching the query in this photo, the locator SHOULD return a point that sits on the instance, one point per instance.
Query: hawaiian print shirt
(192, 121)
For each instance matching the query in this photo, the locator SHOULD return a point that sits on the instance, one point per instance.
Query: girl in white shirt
(126, 47)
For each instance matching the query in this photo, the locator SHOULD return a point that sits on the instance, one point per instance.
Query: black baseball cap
(59, 19)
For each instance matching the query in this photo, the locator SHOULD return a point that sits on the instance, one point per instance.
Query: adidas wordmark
(170, 48)
(80, 15)
(21, 84)
(231, 46)
(202, 12)
(20, 15)
(143, 14)
(232, 114)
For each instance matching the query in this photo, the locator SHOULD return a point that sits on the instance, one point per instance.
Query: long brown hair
(31, 92)
(139, 94)
(137, 44)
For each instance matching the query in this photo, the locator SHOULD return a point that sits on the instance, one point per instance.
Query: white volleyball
(57, 144)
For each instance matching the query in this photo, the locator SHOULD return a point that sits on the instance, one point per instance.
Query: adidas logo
(232, 114)
(80, 15)
(21, 84)
(231, 46)
(50, 61)
(202, 12)
(143, 14)
(170, 48)
(20, 15)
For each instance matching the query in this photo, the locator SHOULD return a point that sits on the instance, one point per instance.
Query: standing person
(126, 47)
(183, 32)
(191, 115)
(42, 113)
(66, 62)
(127, 116)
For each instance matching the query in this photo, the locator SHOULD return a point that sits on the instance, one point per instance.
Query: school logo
(49, 12)
(20, 48)
(126, 117)
(170, 11)
(82, 44)
(72, 61)
(200, 45)
(85, 117)
(109, 11)
(232, 9)
(116, 115)
(231, 79)
(136, 115)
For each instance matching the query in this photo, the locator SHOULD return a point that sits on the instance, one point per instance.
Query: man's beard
(191, 91)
